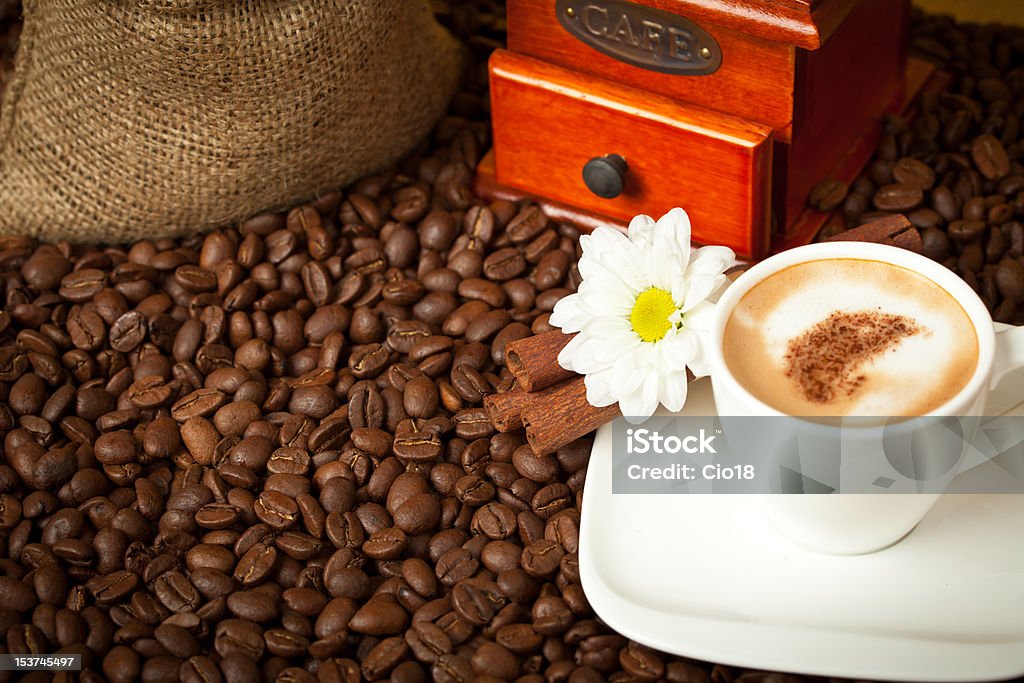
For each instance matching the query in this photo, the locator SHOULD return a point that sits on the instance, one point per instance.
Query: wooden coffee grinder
(732, 109)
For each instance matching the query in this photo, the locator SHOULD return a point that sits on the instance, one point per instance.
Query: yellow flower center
(650, 315)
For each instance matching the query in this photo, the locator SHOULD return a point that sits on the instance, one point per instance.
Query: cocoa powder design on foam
(825, 361)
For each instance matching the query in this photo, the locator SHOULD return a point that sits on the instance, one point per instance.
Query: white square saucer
(709, 577)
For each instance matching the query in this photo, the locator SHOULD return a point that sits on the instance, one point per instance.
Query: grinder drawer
(642, 153)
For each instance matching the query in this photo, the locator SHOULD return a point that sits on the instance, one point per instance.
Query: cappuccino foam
(841, 337)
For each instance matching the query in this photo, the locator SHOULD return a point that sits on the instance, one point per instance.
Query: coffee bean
(827, 195)
(317, 401)
(418, 447)
(111, 587)
(642, 663)
(541, 557)
(990, 157)
(504, 264)
(86, 329)
(82, 285)
(382, 615)
(420, 398)
(198, 403)
(128, 331)
(966, 231)
(913, 172)
(116, 448)
(898, 197)
(1009, 278)
(253, 605)
(276, 510)
(256, 564)
(437, 230)
(527, 224)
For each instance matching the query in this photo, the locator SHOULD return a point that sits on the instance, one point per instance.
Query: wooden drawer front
(549, 121)
(755, 80)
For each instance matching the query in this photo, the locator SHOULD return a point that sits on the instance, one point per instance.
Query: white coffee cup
(861, 523)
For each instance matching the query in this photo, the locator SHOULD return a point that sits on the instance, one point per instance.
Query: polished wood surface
(755, 80)
(486, 185)
(842, 90)
(921, 77)
(549, 121)
(787, 21)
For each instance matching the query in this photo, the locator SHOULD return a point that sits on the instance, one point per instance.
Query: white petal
(604, 298)
(639, 405)
(665, 259)
(568, 314)
(589, 356)
(711, 260)
(610, 272)
(617, 336)
(632, 406)
(699, 288)
(640, 230)
(700, 316)
(567, 356)
(677, 223)
(700, 364)
(645, 357)
(611, 328)
(675, 351)
(679, 287)
(598, 386)
(673, 391)
(603, 244)
(624, 374)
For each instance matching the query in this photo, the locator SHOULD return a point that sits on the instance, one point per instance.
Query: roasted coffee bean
(898, 197)
(418, 447)
(276, 510)
(990, 157)
(504, 264)
(437, 230)
(913, 172)
(86, 328)
(827, 195)
(527, 224)
(1009, 278)
(82, 285)
(128, 331)
(382, 615)
(200, 402)
(256, 564)
(420, 398)
(116, 448)
(966, 231)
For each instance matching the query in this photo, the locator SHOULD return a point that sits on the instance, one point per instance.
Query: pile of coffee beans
(261, 454)
(956, 170)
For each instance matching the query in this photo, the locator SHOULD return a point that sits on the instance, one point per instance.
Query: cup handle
(1009, 352)
(1009, 357)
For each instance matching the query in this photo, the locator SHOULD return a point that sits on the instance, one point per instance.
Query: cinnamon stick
(893, 230)
(505, 409)
(562, 416)
(534, 360)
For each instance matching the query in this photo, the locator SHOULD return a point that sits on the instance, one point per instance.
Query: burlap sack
(133, 119)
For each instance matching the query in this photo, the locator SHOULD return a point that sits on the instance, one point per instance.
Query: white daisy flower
(642, 312)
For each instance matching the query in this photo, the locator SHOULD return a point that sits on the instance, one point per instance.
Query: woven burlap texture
(131, 119)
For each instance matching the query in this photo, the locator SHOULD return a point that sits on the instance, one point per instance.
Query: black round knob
(605, 176)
